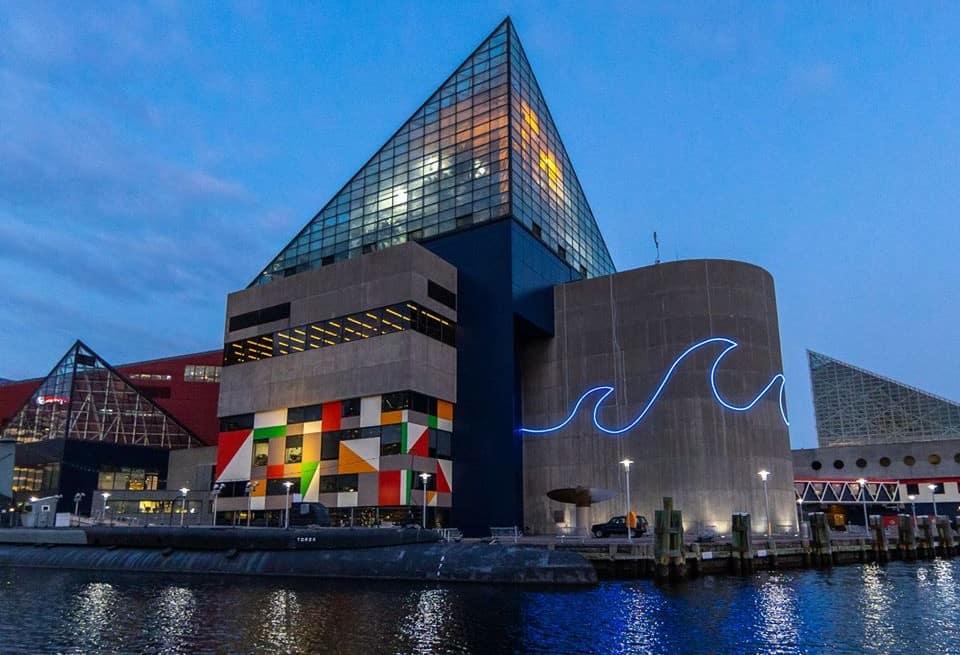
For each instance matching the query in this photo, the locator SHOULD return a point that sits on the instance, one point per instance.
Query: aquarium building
(427, 338)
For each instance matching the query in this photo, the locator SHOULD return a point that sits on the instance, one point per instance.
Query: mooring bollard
(880, 542)
(820, 539)
(741, 555)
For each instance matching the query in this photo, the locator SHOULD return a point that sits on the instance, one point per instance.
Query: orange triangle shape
(351, 462)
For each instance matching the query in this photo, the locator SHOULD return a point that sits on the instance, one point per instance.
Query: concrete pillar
(582, 527)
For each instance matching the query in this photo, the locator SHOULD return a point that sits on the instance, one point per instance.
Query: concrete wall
(625, 330)
(191, 468)
(393, 362)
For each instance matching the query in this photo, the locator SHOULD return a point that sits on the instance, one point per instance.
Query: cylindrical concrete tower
(687, 348)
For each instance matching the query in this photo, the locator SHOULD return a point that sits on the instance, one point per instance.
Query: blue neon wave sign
(604, 391)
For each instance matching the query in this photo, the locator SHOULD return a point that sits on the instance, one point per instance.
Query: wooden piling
(906, 537)
(741, 555)
(669, 558)
(823, 554)
(948, 545)
(881, 544)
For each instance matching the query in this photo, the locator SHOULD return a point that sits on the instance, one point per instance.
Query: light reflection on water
(899, 608)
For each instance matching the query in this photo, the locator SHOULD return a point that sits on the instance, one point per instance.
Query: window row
(151, 377)
(343, 329)
(200, 373)
(129, 479)
(913, 488)
(909, 460)
(349, 482)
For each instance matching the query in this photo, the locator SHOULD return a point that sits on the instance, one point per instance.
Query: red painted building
(187, 386)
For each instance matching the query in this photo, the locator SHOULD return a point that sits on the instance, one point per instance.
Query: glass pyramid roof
(84, 398)
(854, 406)
(481, 148)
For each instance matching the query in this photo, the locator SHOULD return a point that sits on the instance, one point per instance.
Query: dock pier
(666, 556)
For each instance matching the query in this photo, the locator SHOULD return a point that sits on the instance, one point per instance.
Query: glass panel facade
(84, 399)
(449, 167)
(853, 406)
(547, 197)
(127, 479)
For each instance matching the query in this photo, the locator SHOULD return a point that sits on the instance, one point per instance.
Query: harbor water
(897, 608)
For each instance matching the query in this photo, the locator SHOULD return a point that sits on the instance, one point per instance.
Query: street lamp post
(249, 489)
(933, 497)
(286, 512)
(863, 499)
(77, 497)
(215, 493)
(105, 494)
(764, 474)
(626, 467)
(913, 509)
(183, 503)
(424, 477)
(799, 513)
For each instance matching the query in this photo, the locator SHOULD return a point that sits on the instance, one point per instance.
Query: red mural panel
(389, 487)
(443, 485)
(275, 471)
(331, 416)
(420, 443)
(227, 446)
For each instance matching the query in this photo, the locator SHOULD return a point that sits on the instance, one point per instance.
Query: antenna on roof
(656, 242)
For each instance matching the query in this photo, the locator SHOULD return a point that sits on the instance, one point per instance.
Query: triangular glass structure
(854, 406)
(483, 147)
(84, 398)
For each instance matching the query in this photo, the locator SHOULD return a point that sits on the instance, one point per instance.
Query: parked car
(618, 526)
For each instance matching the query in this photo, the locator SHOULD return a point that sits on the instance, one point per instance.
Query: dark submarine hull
(345, 553)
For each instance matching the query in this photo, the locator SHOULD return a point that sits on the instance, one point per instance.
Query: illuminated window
(261, 453)
(150, 377)
(293, 450)
(200, 373)
(127, 479)
(353, 327)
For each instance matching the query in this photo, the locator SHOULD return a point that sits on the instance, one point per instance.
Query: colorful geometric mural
(353, 452)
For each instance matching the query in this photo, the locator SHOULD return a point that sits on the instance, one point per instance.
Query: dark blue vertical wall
(505, 279)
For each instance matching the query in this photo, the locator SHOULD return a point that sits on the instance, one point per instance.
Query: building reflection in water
(93, 614)
(425, 619)
(174, 618)
(876, 610)
(778, 618)
(281, 625)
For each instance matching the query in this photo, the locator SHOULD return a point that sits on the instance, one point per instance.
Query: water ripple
(898, 608)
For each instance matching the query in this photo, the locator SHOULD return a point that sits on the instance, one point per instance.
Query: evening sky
(155, 156)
